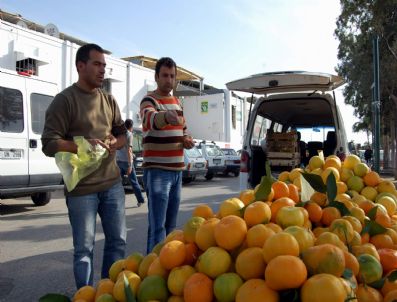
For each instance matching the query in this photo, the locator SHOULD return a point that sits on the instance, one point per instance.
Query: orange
(247, 196)
(381, 241)
(317, 231)
(341, 187)
(256, 213)
(390, 296)
(258, 234)
(205, 237)
(198, 288)
(283, 176)
(230, 232)
(256, 290)
(172, 254)
(190, 228)
(288, 216)
(372, 179)
(324, 258)
(370, 269)
(250, 263)
(343, 229)
(388, 259)
(104, 286)
(191, 250)
(275, 227)
(145, 264)
(285, 272)
(86, 293)
(389, 285)
(351, 262)
(231, 206)
(329, 215)
(226, 286)
(281, 243)
(315, 211)
(333, 162)
(280, 189)
(278, 204)
(319, 198)
(366, 293)
(304, 237)
(214, 262)
(323, 288)
(365, 248)
(383, 219)
(133, 261)
(203, 210)
(175, 235)
(157, 269)
(331, 238)
(134, 282)
(295, 173)
(386, 186)
(294, 193)
(153, 288)
(177, 278)
(327, 172)
(355, 223)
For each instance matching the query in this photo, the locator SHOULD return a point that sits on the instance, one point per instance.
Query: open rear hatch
(286, 81)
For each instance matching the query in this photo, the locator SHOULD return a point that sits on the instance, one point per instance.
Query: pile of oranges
(336, 244)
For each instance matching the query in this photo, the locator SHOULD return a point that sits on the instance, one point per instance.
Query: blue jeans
(110, 205)
(163, 190)
(123, 165)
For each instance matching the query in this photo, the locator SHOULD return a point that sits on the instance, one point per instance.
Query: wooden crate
(283, 155)
(282, 142)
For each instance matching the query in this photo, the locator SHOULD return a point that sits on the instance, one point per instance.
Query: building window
(234, 117)
(107, 85)
(27, 67)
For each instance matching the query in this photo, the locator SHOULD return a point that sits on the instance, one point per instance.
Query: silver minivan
(288, 105)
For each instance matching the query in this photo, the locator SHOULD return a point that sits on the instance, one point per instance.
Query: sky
(220, 40)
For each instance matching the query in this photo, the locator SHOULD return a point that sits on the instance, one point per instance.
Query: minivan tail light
(244, 167)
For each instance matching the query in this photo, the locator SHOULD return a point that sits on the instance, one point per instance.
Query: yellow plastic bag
(74, 167)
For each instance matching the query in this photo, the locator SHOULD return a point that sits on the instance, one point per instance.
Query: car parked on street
(214, 156)
(232, 162)
(196, 165)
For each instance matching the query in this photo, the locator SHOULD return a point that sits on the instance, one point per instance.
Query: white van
(24, 169)
(291, 103)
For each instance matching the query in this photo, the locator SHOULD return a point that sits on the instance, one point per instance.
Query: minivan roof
(286, 81)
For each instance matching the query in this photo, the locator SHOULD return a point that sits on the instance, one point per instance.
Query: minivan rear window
(11, 110)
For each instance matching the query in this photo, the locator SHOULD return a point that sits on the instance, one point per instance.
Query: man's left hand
(188, 142)
(111, 141)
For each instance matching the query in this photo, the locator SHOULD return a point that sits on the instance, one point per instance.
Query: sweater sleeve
(151, 117)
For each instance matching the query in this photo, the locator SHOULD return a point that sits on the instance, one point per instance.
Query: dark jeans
(123, 165)
(163, 189)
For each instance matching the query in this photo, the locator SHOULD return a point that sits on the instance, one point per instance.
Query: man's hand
(188, 142)
(111, 141)
(129, 170)
(172, 118)
(95, 141)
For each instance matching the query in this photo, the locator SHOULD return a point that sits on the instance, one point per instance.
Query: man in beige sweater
(83, 109)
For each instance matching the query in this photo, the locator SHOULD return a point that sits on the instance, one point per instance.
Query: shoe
(139, 204)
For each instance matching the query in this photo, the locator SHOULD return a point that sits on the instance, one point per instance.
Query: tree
(357, 24)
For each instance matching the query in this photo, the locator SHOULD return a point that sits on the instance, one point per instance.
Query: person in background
(341, 154)
(368, 155)
(83, 109)
(302, 149)
(125, 163)
(164, 138)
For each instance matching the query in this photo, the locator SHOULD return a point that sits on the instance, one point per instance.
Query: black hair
(166, 61)
(128, 123)
(83, 53)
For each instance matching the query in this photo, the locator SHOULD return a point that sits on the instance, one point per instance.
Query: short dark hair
(83, 53)
(128, 123)
(166, 61)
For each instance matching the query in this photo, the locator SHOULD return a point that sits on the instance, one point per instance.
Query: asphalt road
(36, 245)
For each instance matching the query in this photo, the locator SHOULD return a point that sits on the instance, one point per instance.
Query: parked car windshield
(213, 150)
(193, 153)
(229, 152)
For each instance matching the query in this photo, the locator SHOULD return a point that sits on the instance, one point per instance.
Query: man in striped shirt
(164, 138)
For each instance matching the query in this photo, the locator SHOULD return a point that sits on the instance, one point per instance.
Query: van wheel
(41, 198)
(209, 176)
(236, 173)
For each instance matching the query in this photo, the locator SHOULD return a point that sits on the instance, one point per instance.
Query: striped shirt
(162, 142)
